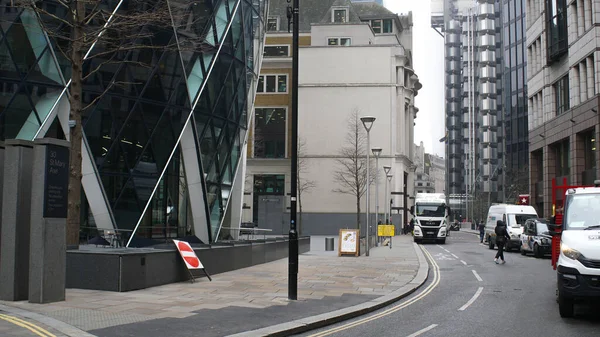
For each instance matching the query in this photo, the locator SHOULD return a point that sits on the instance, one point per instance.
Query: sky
(428, 59)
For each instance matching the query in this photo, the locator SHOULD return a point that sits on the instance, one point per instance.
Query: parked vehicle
(536, 238)
(514, 216)
(578, 229)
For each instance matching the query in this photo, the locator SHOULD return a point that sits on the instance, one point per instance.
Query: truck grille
(435, 223)
(589, 263)
(430, 232)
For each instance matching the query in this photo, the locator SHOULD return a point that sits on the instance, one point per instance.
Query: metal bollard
(329, 244)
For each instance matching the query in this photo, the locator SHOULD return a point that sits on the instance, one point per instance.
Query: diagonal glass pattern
(140, 101)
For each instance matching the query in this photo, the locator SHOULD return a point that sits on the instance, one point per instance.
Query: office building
(163, 153)
(562, 83)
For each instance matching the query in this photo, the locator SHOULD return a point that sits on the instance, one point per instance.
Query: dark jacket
(501, 232)
(481, 227)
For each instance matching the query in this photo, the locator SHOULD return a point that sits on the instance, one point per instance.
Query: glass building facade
(165, 133)
(514, 94)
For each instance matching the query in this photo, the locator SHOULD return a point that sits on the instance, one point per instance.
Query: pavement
(245, 302)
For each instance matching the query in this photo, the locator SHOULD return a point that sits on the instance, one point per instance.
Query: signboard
(56, 182)
(191, 260)
(349, 242)
(523, 199)
(386, 230)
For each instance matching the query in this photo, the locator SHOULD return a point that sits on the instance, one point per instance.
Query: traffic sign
(191, 260)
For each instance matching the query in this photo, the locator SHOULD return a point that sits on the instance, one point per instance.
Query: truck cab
(431, 217)
(578, 266)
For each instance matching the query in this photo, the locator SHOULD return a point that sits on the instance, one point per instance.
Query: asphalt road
(467, 294)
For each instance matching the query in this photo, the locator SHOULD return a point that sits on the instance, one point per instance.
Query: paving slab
(250, 299)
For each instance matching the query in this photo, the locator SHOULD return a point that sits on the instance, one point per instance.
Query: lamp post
(376, 152)
(294, 13)
(368, 124)
(386, 170)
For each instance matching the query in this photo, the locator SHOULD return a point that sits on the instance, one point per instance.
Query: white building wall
(334, 82)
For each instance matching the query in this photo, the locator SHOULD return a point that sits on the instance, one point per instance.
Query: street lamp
(376, 152)
(386, 170)
(389, 178)
(368, 124)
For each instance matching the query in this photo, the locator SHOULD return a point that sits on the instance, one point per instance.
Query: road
(467, 294)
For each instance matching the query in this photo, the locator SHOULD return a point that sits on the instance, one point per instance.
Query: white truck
(430, 215)
(578, 267)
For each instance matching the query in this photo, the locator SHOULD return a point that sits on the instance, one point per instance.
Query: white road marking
(477, 276)
(455, 256)
(463, 262)
(472, 299)
(422, 331)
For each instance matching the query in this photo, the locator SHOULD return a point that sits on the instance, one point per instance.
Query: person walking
(481, 227)
(501, 237)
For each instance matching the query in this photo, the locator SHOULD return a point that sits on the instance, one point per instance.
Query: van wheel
(490, 243)
(566, 307)
(523, 252)
(536, 251)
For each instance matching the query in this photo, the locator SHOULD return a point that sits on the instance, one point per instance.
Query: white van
(514, 216)
(578, 267)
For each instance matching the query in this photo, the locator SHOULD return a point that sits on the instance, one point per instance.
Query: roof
(320, 11)
(371, 9)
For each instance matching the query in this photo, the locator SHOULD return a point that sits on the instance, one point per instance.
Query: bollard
(329, 244)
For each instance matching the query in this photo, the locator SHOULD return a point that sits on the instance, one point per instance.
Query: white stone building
(371, 75)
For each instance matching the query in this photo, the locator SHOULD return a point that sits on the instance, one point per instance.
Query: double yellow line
(27, 325)
(426, 291)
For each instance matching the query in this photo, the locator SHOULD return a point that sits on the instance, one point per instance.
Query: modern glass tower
(164, 151)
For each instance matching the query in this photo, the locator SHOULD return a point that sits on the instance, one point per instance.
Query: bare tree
(516, 182)
(95, 37)
(351, 175)
(303, 185)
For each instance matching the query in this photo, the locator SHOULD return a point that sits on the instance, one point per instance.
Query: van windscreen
(518, 220)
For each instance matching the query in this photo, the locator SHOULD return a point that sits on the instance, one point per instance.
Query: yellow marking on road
(426, 291)
(27, 325)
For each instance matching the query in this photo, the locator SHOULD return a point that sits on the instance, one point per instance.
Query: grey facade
(514, 95)
(474, 151)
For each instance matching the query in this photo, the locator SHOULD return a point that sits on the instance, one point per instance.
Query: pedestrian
(501, 237)
(481, 228)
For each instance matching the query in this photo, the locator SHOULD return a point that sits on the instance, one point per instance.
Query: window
(340, 15)
(589, 150)
(384, 26)
(276, 51)
(561, 94)
(273, 24)
(561, 156)
(272, 84)
(556, 13)
(269, 132)
(339, 41)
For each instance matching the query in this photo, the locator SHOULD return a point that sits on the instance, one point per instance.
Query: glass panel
(276, 51)
(261, 84)
(333, 41)
(388, 26)
(44, 99)
(282, 83)
(269, 133)
(376, 26)
(345, 41)
(271, 87)
(127, 209)
(18, 115)
(221, 21)
(339, 15)
(272, 24)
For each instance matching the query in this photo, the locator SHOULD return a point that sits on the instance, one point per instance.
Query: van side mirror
(412, 210)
